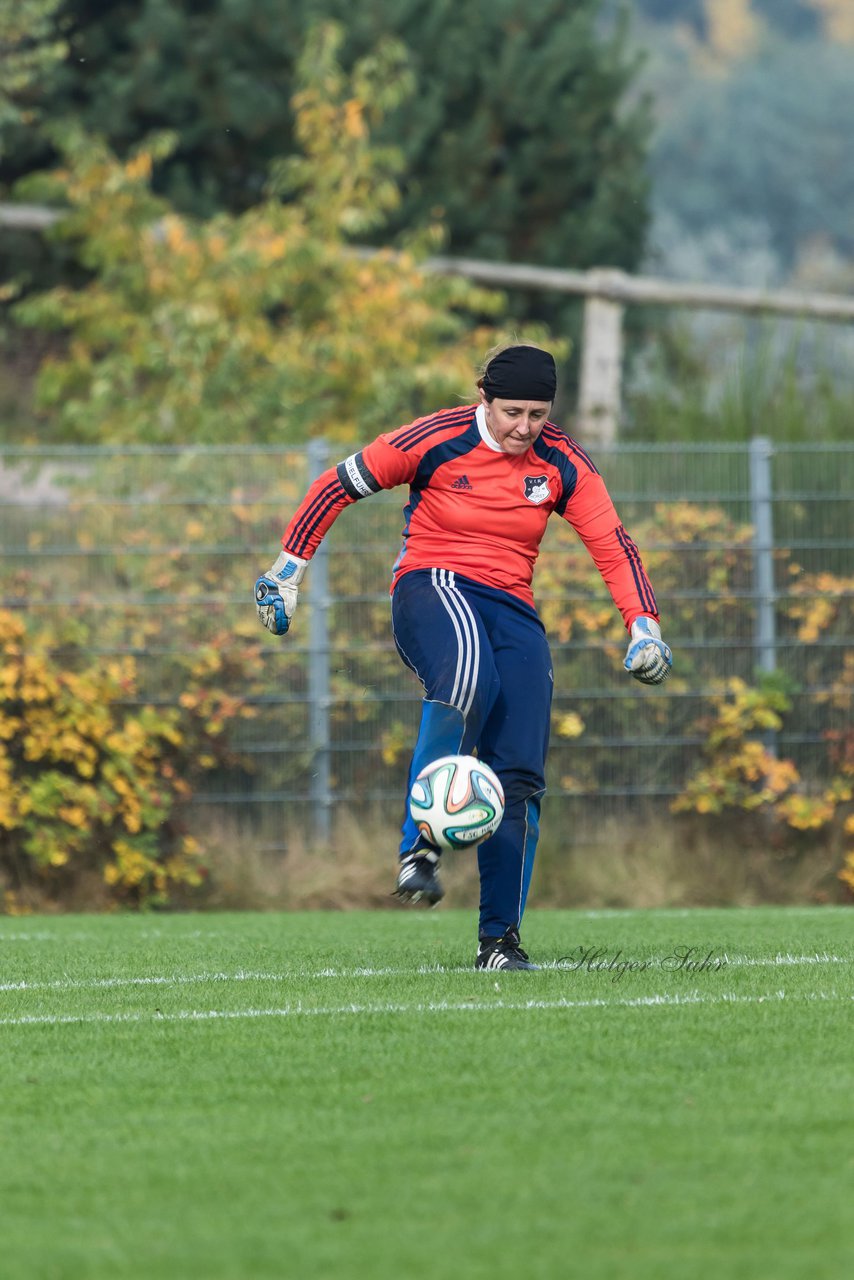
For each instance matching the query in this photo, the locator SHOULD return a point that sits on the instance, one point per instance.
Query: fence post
(762, 519)
(601, 370)
(318, 672)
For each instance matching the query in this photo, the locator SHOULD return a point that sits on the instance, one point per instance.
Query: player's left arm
(592, 514)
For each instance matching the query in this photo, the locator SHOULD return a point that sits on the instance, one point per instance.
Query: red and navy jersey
(479, 511)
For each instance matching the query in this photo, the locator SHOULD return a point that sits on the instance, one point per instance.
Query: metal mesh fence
(153, 552)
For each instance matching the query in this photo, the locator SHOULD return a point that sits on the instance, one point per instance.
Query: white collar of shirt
(487, 439)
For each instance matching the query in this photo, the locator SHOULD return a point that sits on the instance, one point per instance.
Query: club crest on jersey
(537, 489)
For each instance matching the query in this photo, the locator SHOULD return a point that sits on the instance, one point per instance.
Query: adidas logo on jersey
(462, 483)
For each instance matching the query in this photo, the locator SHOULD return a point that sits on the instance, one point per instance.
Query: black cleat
(503, 953)
(418, 878)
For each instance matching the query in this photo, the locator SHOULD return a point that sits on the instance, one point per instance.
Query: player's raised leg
(440, 636)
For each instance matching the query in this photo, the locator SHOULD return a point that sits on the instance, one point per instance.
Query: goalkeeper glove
(276, 592)
(648, 658)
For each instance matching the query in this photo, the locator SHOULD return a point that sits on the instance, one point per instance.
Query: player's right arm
(379, 466)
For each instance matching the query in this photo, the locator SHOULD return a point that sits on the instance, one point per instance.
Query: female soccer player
(483, 480)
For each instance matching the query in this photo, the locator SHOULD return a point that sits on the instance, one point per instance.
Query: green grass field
(319, 1095)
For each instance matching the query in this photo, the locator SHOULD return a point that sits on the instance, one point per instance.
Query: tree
(520, 135)
(757, 146)
(528, 147)
(796, 19)
(793, 19)
(263, 325)
(731, 28)
(30, 48)
(838, 19)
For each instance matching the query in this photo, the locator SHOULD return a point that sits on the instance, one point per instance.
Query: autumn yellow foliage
(267, 326)
(91, 780)
(742, 770)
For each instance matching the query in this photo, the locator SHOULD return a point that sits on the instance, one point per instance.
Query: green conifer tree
(520, 135)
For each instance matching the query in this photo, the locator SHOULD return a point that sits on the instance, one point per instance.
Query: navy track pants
(483, 660)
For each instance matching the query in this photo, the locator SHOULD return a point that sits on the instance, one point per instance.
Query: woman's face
(515, 424)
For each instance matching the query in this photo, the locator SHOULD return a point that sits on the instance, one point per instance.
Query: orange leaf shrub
(93, 781)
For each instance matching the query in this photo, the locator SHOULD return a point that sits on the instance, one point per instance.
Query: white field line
(149, 933)
(788, 958)
(689, 999)
(243, 975)
(83, 935)
(675, 913)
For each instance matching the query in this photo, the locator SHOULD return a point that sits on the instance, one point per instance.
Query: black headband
(521, 373)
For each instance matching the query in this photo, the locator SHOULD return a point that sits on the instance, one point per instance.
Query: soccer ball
(456, 801)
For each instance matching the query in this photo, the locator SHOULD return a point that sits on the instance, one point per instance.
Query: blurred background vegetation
(250, 193)
(699, 140)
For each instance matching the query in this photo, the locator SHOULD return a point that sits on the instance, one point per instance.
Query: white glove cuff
(289, 570)
(645, 628)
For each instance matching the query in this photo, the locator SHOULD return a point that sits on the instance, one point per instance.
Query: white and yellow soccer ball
(456, 801)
